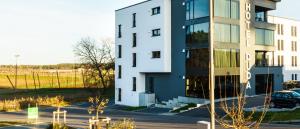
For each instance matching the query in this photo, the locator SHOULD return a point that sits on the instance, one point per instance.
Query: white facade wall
(145, 23)
(287, 52)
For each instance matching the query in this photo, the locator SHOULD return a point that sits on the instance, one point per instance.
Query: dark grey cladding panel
(269, 4)
(172, 85)
(196, 21)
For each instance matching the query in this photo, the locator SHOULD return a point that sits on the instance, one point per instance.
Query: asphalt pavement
(77, 116)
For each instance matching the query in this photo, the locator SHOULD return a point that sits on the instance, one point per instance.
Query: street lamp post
(211, 69)
(16, 74)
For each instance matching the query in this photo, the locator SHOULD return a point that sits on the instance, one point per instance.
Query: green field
(279, 116)
(41, 82)
(41, 79)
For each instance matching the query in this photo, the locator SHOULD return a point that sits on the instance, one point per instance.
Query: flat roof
(133, 5)
(287, 18)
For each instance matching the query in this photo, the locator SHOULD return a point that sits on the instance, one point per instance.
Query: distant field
(41, 79)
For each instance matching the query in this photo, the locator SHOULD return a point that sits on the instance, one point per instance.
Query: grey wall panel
(171, 85)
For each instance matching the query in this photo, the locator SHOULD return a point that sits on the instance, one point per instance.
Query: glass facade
(226, 58)
(264, 83)
(197, 9)
(227, 9)
(197, 33)
(261, 17)
(264, 37)
(198, 58)
(197, 86)
(227, 86)
(227, 33)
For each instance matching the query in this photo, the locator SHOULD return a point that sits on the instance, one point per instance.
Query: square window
(156, 32)
(155, 10)
(156, 54)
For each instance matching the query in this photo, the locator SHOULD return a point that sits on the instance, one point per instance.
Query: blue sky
(45, 31)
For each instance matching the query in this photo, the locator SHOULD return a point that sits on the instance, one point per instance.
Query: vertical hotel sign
(248, 38)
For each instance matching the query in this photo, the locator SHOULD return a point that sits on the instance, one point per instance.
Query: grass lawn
(10, 123)
(134, 108)
(280, 116)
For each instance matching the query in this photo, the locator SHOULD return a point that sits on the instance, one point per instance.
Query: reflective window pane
(235, 9)
(227, 8)
(197, 9)
(269, 37)
(222, 32)
(201, 8)
(260, 36)
(264, 37)
(197, 33)
(225, 58)
(235, 34)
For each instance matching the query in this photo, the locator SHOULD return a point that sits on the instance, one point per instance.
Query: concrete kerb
(261, 108)
(217, 101)
(20, 125)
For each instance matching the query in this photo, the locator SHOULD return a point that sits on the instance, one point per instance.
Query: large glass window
(198, 58)
(263, 59)
(264, 37)
(197, 33)
(227, 8)
(197, 9)
(225, 58)
(227, 33)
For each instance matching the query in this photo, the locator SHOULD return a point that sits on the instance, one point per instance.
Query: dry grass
(43, 81)
(22, 103)
(123, 124)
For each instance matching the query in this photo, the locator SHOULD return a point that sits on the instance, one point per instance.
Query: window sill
(155, 35)
(155, 14)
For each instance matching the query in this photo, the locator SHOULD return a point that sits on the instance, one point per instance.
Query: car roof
(284, 91)
(295, 89)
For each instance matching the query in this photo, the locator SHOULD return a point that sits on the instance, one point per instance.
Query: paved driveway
(204, 112)
(78, 117)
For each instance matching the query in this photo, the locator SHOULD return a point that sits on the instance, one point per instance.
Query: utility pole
(211, 68)
(16, 72)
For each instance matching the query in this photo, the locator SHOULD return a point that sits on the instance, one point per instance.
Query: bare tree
(98, 61)
(235, 116)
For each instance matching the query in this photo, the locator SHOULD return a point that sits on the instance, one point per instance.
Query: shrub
(123, 124)
(59, 126)
(291, 84)
(22, 103)
(10, 105)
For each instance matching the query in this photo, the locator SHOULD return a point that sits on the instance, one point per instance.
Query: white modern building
(143, 45)
(287, 49)
(163, 49)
